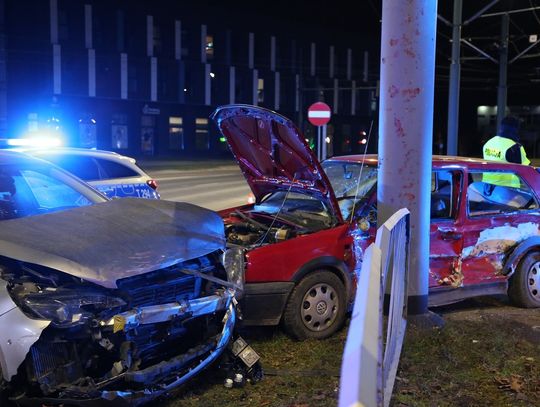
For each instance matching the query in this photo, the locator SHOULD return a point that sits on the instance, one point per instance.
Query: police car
(112, 174)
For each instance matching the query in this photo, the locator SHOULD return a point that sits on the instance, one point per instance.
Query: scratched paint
(410, 93)
(400, 132)
(455, 278)
(500, 239)
(498, 264)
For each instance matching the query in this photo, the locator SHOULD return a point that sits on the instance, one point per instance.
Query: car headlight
(234, 264)
(67, 307)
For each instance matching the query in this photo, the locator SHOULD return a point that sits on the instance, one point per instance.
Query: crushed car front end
(98, 341)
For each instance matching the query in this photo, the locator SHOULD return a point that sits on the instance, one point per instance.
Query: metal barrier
(369, 365)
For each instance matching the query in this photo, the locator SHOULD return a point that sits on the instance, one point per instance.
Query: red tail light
(152, 183)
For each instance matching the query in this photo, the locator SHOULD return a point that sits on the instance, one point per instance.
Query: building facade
(142, 77)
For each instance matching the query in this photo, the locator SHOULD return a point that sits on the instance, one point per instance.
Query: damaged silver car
(109, 302)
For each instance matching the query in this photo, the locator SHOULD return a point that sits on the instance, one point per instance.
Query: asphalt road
(213, 185)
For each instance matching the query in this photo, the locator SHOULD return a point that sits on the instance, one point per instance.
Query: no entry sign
(319, 114)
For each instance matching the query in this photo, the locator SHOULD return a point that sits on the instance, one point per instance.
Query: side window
(492, 192)
(82, 166)
(442, 191)
(115, 170)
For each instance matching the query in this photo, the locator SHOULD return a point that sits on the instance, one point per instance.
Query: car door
(502, 211)
(446, 237)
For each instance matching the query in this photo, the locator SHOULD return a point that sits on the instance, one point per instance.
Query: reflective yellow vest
(495, 149)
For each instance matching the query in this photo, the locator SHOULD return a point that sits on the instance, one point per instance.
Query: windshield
(28, 188)
(294, 201)
(346, 177)
(300, 209)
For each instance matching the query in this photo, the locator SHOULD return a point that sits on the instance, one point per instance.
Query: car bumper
(263, 303)
(204, 353)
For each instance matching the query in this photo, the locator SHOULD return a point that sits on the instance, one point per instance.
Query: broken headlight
(233, 261)
(69, 307)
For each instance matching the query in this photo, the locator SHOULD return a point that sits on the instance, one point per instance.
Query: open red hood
(272, 153)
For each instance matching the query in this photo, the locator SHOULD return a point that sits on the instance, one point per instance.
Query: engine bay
(280, 216)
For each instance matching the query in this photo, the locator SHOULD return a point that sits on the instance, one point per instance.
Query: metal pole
(503, 69)
(480, 12)
(453, 91)
(324, 146)
(524, 52)
(406, 127)
(319, 143)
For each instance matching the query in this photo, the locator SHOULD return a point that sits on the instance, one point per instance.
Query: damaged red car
(305, 234)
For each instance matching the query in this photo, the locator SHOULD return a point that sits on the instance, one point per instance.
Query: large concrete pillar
(406, 126)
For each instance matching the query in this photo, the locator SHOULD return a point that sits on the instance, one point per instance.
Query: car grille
(166, 285)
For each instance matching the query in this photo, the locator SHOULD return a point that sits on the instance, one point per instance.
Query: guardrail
(369, 365)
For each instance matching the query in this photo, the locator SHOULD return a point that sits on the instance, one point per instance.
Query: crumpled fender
(531, 243)
(17, 333)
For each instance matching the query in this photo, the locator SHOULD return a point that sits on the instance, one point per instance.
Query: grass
(485, 355)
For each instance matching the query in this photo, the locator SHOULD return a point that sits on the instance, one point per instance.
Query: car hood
(272, 153)
(106, 242)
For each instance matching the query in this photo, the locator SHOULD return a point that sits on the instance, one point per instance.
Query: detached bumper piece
(160, 378)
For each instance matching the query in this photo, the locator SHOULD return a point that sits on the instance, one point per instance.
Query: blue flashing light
(35, 142)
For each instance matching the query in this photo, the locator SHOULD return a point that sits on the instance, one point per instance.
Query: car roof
(438, 161)
(71, 150)
(13, 157)
(110, 155)
(123, 160)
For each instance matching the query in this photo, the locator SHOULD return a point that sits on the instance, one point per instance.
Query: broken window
(492, 192)
(442, 190)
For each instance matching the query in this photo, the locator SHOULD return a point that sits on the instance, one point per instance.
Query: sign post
(319, 114)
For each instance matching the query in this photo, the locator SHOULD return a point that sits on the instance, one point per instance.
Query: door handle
(450, 234)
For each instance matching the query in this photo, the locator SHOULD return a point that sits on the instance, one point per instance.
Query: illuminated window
(209, 46)
(202, 141)
(260, 90)
(87, 131)
(148, 124)
(119, 131)
(176, 133)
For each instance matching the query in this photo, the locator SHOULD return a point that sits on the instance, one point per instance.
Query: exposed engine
(151, 330)
(277, 219)
(248, 234)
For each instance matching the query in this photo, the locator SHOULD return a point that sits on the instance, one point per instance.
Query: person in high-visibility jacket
(505, 147)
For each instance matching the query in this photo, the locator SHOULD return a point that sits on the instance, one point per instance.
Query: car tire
(4, 401)
(316, 307)
(524, 286)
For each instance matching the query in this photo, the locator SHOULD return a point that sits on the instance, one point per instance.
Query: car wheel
(3, 393)
(316, 306)
(524, 287)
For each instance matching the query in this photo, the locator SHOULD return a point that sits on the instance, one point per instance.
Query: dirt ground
(487, 354)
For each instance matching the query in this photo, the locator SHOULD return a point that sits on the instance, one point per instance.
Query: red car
(300, 234)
